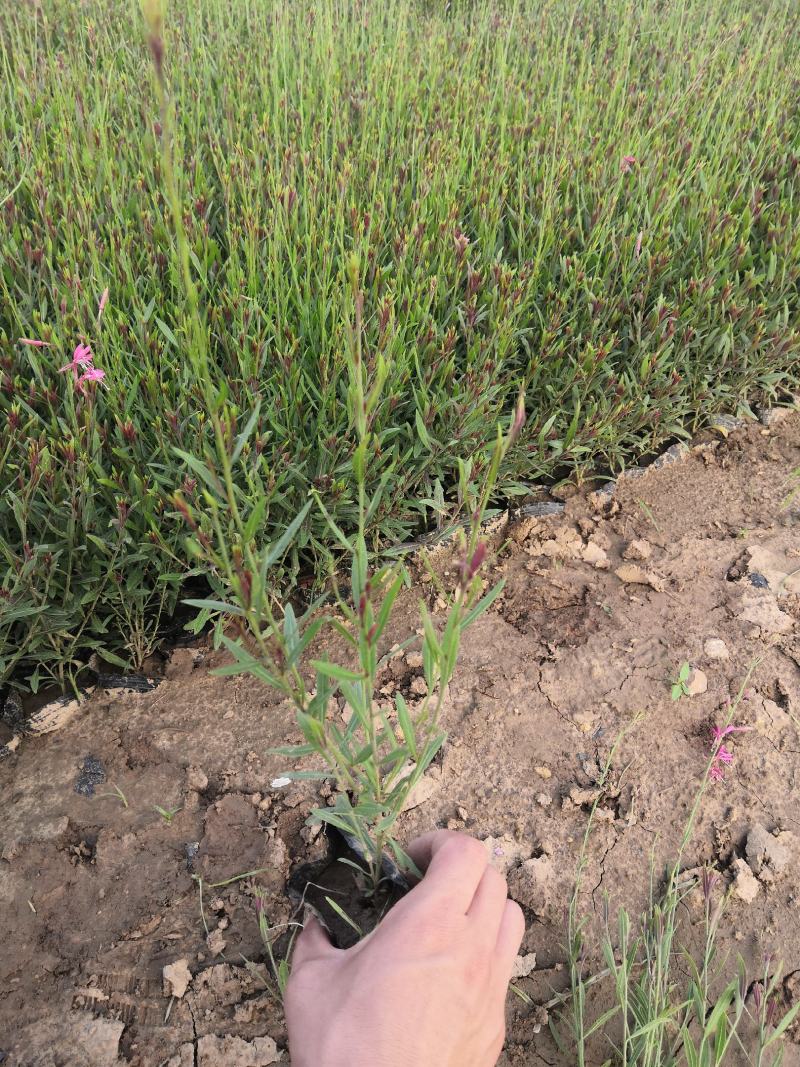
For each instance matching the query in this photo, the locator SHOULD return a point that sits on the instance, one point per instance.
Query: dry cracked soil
(115, 952)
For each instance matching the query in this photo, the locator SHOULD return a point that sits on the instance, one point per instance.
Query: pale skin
(428, 987)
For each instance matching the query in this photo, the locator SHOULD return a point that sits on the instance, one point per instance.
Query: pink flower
(81, 357)
(93, 374)
(638, 251)
(103, 302)
(627, 164)
(720, 733)
(723, 757)
(33, 343)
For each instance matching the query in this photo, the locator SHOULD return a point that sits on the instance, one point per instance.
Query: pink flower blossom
(720, 733)
(638, 251)
(93, 374)
(627, 164)
(33, 343)
(103, 302)
(81, 357)
(723, 757)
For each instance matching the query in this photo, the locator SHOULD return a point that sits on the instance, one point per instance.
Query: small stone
(580, 796)
(414, 660)
(523, 965)
(630, 574)
(280, 783)
(760, 609)
(716, 649)
(232, 1051)
(768, 854)
(745, 885)
(425, 788)
(419, 686)
(216, 942)
(544, 800)
(595, 555)
(255, 799)
(504, 852)
(697, 683)
(532, 884)
(177, 978)
(638, 550)
(543, 772)
(462, 813)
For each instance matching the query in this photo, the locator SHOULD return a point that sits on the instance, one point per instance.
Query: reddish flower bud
(477, 559)
(519, 418)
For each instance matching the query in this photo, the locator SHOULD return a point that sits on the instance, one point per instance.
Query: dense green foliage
(599, 202)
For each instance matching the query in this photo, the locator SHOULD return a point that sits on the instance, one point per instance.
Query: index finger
(453, 865)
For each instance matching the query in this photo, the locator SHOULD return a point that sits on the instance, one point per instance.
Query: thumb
(312, 943)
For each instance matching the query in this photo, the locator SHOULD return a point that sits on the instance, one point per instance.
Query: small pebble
(697, 683)
(714, 648)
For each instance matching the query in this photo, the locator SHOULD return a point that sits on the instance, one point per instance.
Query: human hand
(427, 988)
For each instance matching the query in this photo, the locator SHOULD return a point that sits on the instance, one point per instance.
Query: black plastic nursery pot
(333, 889)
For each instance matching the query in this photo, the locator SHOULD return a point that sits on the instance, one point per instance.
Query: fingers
(454, 865)
(312, 943)
(488, 906)
(509, 938)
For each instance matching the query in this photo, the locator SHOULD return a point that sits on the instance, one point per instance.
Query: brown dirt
(97, 897)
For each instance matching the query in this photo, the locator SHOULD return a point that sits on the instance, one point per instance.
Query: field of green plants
(597, 204)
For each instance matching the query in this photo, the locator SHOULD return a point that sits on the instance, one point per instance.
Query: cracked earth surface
(694, 562)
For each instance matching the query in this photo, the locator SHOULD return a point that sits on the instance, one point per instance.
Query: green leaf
(333, 670)
(167, 332)
(291, 633)
(404, 861)
(783, 1025)
(422, 431)
(200, 469)
(278, 550)
(601, 1021)
(243, 437)
(255, 519)
(215, 605)
(312, 730)
(343, 915)
(111, 657)
(334, 818)
(293, 751)
(307, 776)
(484, 604)
(389, 597)
(406, 725)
